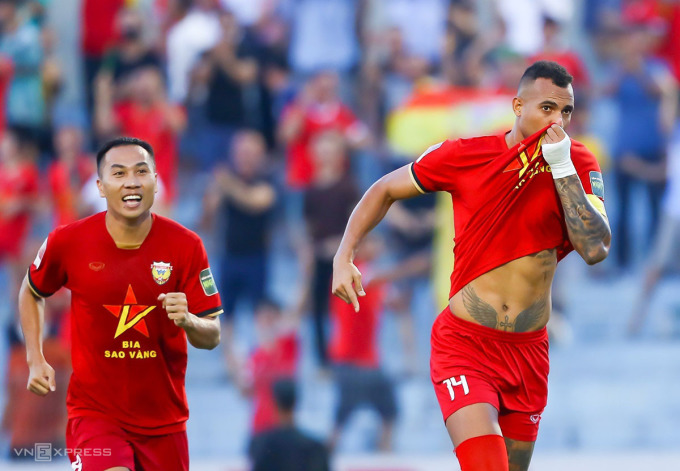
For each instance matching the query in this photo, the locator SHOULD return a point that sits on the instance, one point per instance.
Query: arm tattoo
(589, 231)
(486, 315)
(480, 310)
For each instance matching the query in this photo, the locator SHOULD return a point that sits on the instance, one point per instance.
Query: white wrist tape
(558, 155)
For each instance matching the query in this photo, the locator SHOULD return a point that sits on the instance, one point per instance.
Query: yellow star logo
(521, 161)
(130, 314)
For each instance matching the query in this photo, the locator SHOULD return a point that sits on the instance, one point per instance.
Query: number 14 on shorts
(451, 383)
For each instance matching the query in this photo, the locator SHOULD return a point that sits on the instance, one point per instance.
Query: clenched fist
(175, 304)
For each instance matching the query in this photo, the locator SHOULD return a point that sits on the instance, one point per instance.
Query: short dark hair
(120, 142)
(285, 394)
(550, 70)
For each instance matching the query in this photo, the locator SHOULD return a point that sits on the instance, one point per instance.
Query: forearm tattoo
(486, 315)
(589, 230)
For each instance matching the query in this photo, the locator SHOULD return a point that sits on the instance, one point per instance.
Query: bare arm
(242, 70)
(291, 124)
(202, 332)
(669, 100)
(293, 119)
(589, 230)
(584, 215)
(32, 316)
(105, 123)
(252, 198)
(372, 208)
(174, 118)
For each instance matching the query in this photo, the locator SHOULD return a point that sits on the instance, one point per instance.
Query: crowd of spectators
(285, 108)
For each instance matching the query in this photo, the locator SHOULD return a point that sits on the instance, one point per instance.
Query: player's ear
(155, 182)
(101, 188)
(517, 106)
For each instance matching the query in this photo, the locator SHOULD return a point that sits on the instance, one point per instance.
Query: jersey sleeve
(435, 169)
(47, 272)
(200, 287)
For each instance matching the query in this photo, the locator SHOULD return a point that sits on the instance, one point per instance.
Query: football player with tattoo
(522, 201)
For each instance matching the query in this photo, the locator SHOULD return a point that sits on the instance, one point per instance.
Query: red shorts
(471, 364)
(98, 445)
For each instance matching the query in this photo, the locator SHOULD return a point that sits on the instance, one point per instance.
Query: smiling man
(140, 288)
(522, 201)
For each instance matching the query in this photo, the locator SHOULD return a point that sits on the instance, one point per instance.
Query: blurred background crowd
(269, 118)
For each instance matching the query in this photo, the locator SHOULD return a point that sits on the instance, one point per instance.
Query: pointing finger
(353, 298)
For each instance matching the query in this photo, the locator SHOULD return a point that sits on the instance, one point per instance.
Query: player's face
(128, 182)
(541, 103)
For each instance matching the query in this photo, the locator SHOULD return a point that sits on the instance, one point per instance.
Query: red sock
(485, 453)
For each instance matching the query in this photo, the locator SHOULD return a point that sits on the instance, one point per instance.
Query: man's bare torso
(514, 297)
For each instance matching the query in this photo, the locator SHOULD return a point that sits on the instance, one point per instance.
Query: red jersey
(266, 366)
(354, 339)
(98, 20)
(17, 184)
(504, 200)
(150, 124)
(129, 359)
(317, 119)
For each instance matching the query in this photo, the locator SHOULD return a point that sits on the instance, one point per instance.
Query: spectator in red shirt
(354, 352)
(147, 115)
(18, 190)
(26, 418)
(555, 50)
(98, 21)
(275, 357)
(316, 109)
(67, 175)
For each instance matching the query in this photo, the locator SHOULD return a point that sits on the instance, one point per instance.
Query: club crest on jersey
(161, 272)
